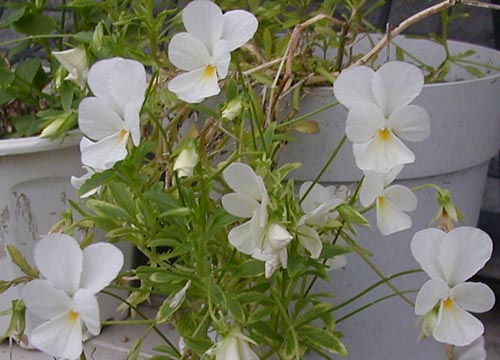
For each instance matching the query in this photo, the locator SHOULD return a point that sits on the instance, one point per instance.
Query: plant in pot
(42, 80)
(237, 249)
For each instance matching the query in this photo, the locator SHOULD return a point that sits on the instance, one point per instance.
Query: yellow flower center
(448, 303)
(381, 201)
(384, 134)
(123, 133)
(209, 71)
(74, 316)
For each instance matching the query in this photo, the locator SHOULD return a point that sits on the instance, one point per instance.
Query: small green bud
(97, 38)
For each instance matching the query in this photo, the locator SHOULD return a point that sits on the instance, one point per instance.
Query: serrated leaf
(21, 262)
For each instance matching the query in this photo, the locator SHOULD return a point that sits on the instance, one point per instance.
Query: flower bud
(97, 38)
(232, 109)
(186, 161)
(75, 62)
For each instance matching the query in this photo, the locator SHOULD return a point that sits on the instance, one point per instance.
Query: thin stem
(284, 313)
(141, 314)
(128, 322)
(35, 37)
(374, 286)
(308, 115)
(373, 303)
(325, 167)
(377, 271)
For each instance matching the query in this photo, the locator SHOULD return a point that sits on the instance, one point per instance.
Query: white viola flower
(75, 62)
(318, 207)
(77, 182)
(235, 346)
(112, 115)
(186, 161)
(204, 51)
(273, 249)
(474, 351)
(380, 114)
(392, 202)
(450, 259)
(66, 298)
(249, 200)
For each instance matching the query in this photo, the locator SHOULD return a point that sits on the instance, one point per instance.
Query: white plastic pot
(465, 135)
(34, 190)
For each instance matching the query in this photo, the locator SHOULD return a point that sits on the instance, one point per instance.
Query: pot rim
(36, 144)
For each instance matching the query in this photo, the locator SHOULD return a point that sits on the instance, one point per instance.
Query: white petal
(102, 262)
(277, 238)
(336, 262)
(242, 179)
(372, 187)
(133, 121)
(97, 119)
(196, 85)
(411, 123)
(59, 259)
(425, 248)
(392, 174)
(457, 327)
(240, 205)
(354, 85)
(314, 198)
(396, 84)
(222, 58)
(243, 239)
(187, 52)
(363, 121)
(402, 197)
(104, 153)
(309, 239)
(464, 252)
(431, 293)
(474, 351)
(78, 182)
(85, 303)
(60, 337)
(382, 154)
(475, 297)
(118, 82)
(44, 300)
(239, 27)
(390, 219)
(244, 351)
(204, 20)
(75, 62)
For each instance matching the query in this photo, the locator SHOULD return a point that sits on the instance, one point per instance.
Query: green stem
(308, 115)
(374, 286)
(128, 322)
(373, 303)
(36, 37)
(141, 314)
(284, 313)
(325, 167)
(377, 271)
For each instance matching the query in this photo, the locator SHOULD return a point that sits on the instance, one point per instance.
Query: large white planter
(34, 190)
(465, 135)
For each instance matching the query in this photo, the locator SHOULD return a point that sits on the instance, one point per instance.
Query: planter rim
(37, 144)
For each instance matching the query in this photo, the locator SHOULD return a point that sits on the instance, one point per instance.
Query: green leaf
(323, 339)
(21, 262)
(6, 76)
(312, 314)
(26, 125)
(262, 78)
(261, 314)
(330, 250)
(216, 294)
(200, 346)
(249, 297)
(104, 208)
(474, 71)
(84, 37)
(123, 197)
(250, 268)
(27, 69)
(35, 24)
(96, 180)
(66, 90)
(236, 309)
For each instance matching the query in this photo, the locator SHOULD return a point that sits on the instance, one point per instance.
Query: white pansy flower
(450, 259)
(112, 115)
(186, 161)
(77, 182)
(234, 346)
(75, 62)
(66, 298)
(273, 250)
(380, 114)
(392, 202)
(204, 51)
(474, 351)
(249, 200)
(317, 206)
